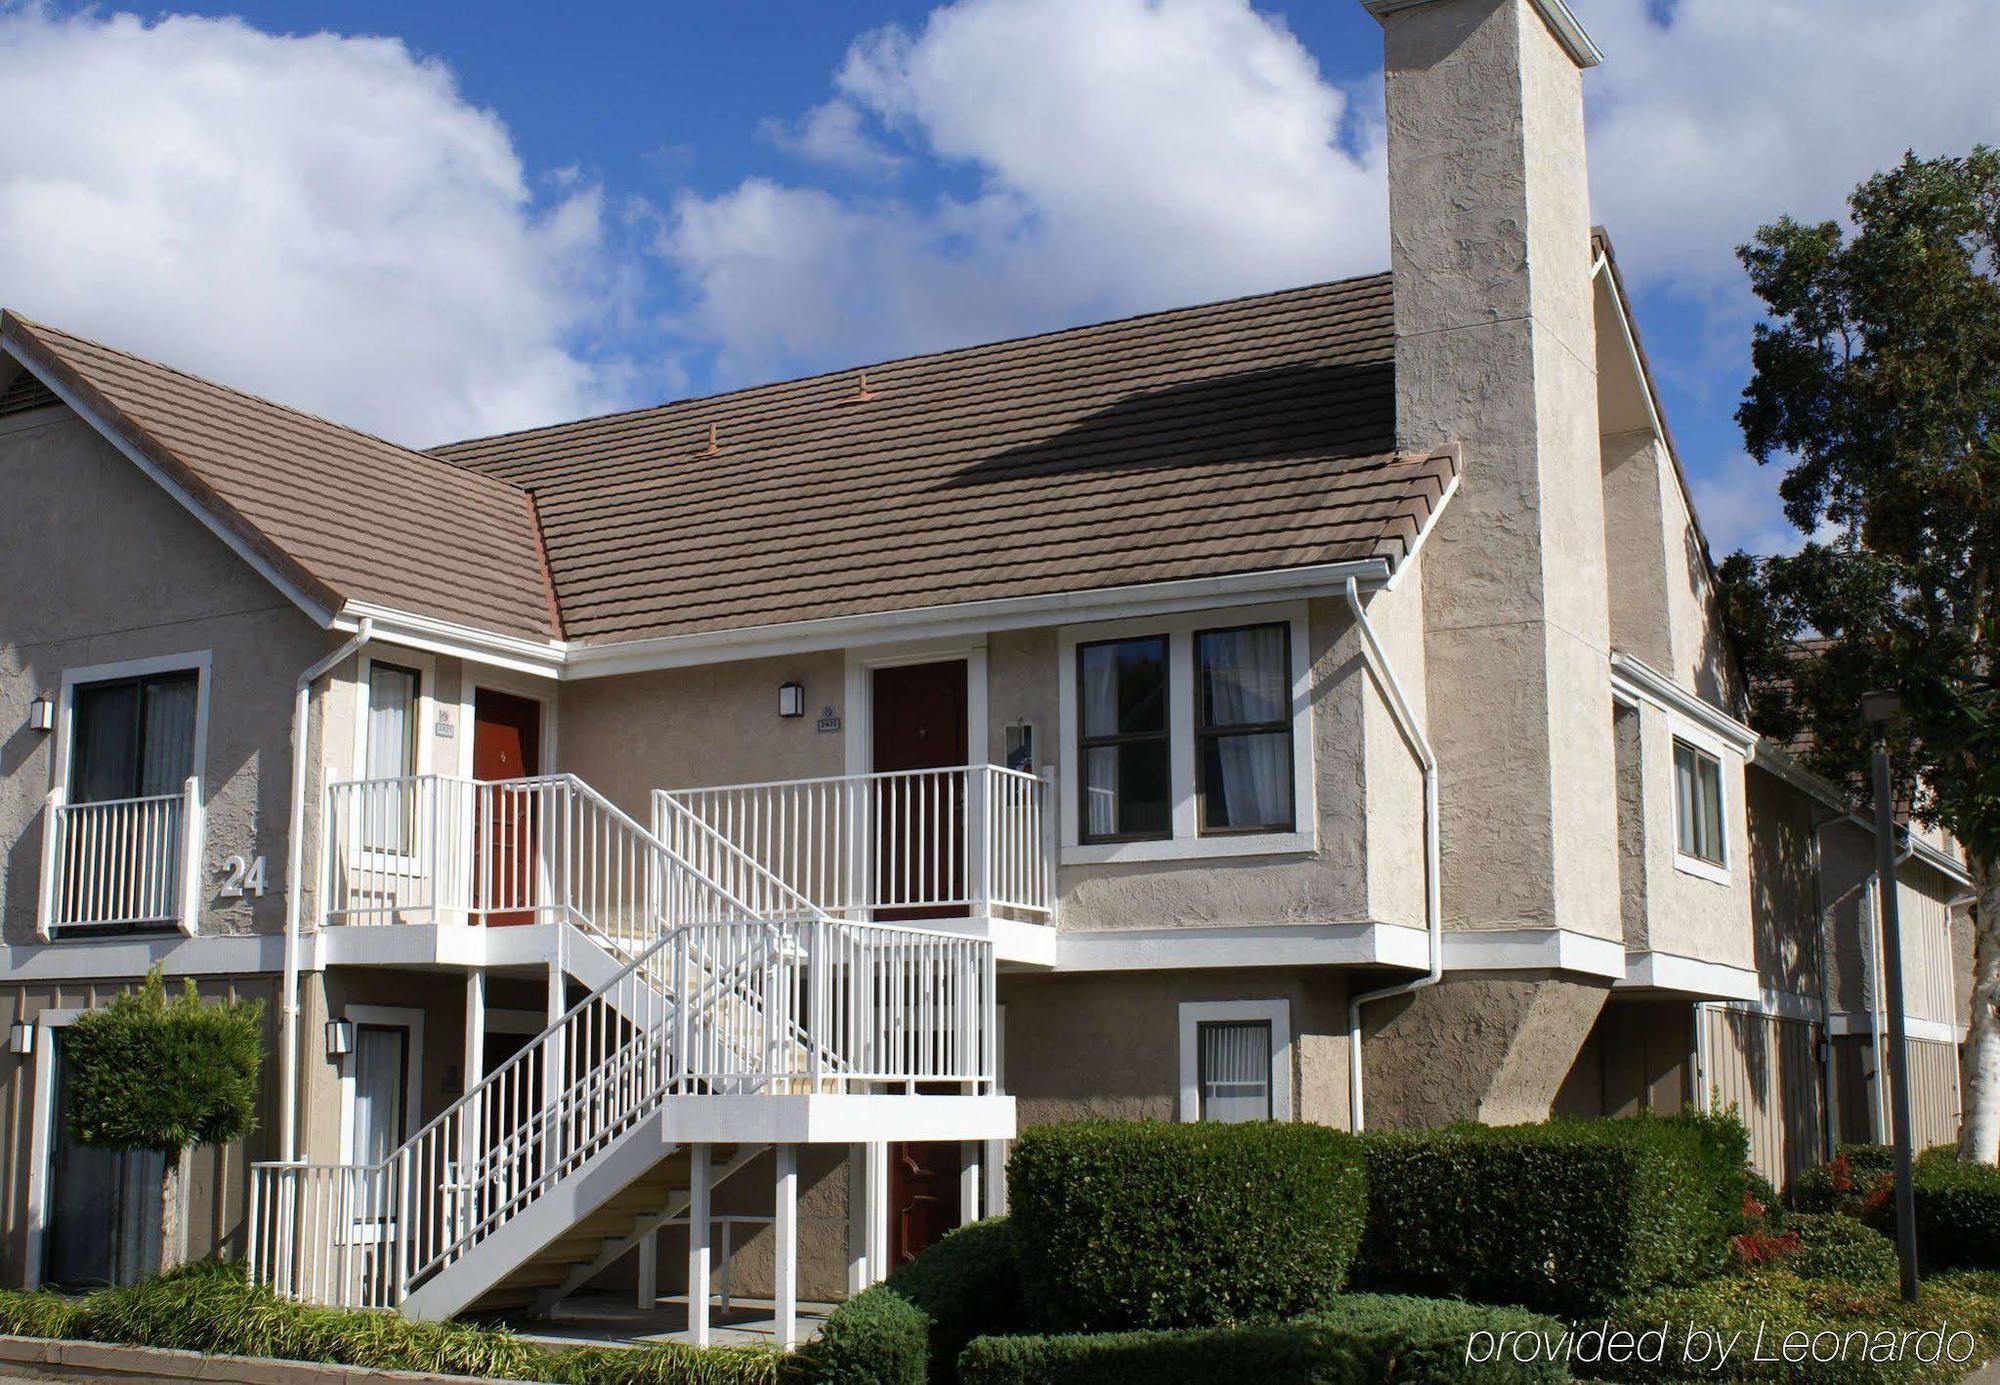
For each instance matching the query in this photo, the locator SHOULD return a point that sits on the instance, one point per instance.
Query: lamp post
(1880, 711)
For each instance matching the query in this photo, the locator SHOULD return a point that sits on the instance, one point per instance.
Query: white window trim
(1194, 1014)
(1187, 843)
(197, 661)
(1680, 729)
(426, 667)
(475, 680)
(41, 1137)
(858, 730)
(411, 1021)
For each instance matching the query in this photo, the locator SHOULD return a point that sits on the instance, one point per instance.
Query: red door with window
(507, 744)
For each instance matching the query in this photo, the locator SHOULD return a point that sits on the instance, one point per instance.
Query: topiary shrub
(1853, 1176)
(1365, 1340)
(1564, 1217)
(1958, 1211)
(968, 1285)
(1840, 1248)
(146, 1074)
(878, 1337)
(1122, 1224)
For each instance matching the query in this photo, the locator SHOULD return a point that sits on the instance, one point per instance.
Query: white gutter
(1420, 746)
(288, 1053)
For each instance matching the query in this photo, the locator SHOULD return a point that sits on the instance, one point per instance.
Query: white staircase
(726, 982)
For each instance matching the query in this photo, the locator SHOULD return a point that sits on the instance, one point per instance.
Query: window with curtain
(1235, 1070)
(391, 753)
(1243, 728)
(1123, 748)
(132, 737)
(1698, 804)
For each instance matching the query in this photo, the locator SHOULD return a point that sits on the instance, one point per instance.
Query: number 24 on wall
(239, 875)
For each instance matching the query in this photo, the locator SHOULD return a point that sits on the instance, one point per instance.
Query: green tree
(1876, 385)
(149, 1074)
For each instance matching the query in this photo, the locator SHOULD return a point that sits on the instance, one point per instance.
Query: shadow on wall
(1715, 677)
(1278, 414)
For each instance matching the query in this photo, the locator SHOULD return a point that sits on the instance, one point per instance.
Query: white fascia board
(541, 658)
(1636, 679)
(1784, 1005)
(319, 614)
(451, 945)
(1861, 1022)
(1248, 945)
(78, 959)
(1533, 949)
(840, 1120)
(1569, 31)
(1666, 971)
(968, 618)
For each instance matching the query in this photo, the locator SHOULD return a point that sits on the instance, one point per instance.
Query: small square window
(1698, 804)
(1235, 1070)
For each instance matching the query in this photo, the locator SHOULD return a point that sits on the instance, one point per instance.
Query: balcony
(967, 842)
(120, 865)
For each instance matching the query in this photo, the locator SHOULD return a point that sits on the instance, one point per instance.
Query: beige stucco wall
(1683, 913)
(1783, 896)
(99, 565)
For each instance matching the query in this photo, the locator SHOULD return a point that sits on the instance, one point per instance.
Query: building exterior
(693, 841)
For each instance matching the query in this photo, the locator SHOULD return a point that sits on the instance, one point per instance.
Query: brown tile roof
(342, 514)
(1234, 437)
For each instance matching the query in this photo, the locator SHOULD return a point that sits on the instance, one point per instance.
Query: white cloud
(1739, 507)
(1126, 154)
(321, 219)
(834, 133)
(1730, 113)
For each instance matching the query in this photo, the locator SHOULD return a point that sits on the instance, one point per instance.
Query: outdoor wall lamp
(21, 1038)
(792, 700)
(339, 1038)
(42, 713)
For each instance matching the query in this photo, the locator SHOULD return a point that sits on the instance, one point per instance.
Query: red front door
(919, 716)
(923, 1196)
(507, 744)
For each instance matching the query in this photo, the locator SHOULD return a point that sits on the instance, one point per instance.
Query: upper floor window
(1126, 787)
(1187, 736)
(132, 737)
(392, 721)
(1243, 728)
(1698, 805)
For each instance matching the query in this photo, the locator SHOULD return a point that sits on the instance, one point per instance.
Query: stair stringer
(629, 1157)
(641, 1228)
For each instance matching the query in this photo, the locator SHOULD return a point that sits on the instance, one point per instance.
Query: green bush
(1840, 1248)
(1958, 1211)
(1777, 1303)
(668, 1363)
(1122, 1224)
(878, 1337)
(1565, 1217)
(1366, 1340)
(39, 1314)
(968, 1285)
(1845, 1181)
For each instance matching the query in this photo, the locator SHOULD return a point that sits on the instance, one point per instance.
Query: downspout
(1829, 1093)
(288, 1052)
(1420, 746)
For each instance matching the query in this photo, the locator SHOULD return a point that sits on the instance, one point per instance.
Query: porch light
(42, 713)
(21, 1038)
(339, 1038)
(792, 700)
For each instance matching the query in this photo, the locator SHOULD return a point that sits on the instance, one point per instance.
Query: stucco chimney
(1489, 213)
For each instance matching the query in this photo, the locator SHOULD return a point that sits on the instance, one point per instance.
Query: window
(132, 737)
(1243, 728)
(1122, 689)
(1236, 1060)
(1698, 804)
(1235, 1070)
(390, 752)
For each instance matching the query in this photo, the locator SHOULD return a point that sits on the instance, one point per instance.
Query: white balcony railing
(121, 863)
(971, 839)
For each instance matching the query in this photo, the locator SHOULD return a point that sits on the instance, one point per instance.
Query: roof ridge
(10, 316)
(442, 450)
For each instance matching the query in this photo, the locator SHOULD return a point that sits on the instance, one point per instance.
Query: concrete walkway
(615, 1319)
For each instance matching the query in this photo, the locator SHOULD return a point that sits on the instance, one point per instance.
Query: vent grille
(23, 394)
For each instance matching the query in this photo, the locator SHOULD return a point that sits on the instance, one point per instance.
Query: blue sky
(436, 220)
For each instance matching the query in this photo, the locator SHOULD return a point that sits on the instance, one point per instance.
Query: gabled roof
(338, 514)
(1243, 436)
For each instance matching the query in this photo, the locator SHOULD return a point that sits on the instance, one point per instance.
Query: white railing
(121, 863)
(975, 839)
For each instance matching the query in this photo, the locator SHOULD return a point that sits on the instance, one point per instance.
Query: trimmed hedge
(1366, 1340)
(1840, 1248)
(1958, 1211)
(968, 1285)
(1776, 1303)
(878, 1337)
(1844, 1182)
(1566, 1217)
(1145, 1224)
(209, 1307)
